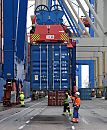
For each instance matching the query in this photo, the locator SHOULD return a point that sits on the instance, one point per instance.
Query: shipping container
(85, 93)
(56, 98)
(52, 98)
(49, 67)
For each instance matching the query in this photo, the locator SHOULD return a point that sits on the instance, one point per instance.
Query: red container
(52, 96)
(56, 98)
(52, 103)
(60, 103)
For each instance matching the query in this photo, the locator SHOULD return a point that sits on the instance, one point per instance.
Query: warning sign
(36, 77)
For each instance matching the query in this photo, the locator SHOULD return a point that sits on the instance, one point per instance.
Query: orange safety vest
(72, 98)
(77, 101)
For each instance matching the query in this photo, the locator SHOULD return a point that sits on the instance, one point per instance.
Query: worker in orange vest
(76, 105)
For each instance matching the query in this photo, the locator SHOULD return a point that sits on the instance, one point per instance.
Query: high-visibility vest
(77, 101)
(22, 97)
(66, 100)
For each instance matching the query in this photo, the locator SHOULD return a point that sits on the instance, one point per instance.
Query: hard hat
(77, 93)
(93, 89)
(66, 93)
(22, 92)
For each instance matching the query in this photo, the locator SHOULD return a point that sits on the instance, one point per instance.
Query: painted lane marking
(85, 121)
(27, 122)
(31, 118)
(19, 112)
(21, 127)
(41, 110)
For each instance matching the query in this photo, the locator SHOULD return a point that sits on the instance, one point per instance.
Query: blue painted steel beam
(54, 2)
(68, 19)
(65, 7)
(73, 69)
(9, 19)
(20, 41)
(79, 77)
(91, 69)
(49, 3)
(78, 73)
(91, 31)
(91, 74)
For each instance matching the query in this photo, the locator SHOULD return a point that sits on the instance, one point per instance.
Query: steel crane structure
(15, 12)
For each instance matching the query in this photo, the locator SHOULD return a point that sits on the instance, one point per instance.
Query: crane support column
(21, 28)
(73, 68)
(9, 19)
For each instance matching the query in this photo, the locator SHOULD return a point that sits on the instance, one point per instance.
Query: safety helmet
(77, 93)
(22, 92)
(66, 93)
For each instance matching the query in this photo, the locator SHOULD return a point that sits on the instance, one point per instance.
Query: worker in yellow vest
(66, 104)
(22, 99)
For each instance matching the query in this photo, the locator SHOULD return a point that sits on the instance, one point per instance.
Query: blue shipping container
(85, 93)
(49, 67)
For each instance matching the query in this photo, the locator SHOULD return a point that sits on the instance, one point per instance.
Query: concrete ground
(93, 115)
(38, 116)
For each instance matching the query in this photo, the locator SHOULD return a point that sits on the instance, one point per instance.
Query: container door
(60, 67)
(49, 67)
(35, 67)
(39, 67)
(65, 77)
(56, 68)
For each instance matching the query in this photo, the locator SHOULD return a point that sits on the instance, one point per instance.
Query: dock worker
(66, 104)
(22, 99)
(76, 105)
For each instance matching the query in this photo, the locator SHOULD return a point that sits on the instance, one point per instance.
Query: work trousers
(66, 107)
(75, 113)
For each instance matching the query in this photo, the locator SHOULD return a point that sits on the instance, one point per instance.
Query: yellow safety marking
(35, 37)
(64, 36)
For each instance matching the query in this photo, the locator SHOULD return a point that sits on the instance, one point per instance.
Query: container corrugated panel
(26, 89)
(52, 98)
(49, 67)
(85, 93)
(56, 98)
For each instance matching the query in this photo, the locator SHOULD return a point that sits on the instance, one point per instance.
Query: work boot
(76, 120)
(64, 113)
(73, 120)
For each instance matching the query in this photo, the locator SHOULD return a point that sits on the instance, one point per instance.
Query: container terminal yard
(53, 58)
